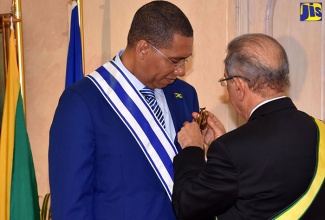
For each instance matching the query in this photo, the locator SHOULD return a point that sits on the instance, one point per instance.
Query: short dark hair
(261, 59)
(157, 22)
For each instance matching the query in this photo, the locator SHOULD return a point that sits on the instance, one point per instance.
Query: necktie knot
(148, 93)
(152, 101)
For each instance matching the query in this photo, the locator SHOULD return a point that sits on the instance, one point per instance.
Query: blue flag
(74, 61)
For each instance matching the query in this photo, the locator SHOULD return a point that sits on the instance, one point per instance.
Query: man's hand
(190, 135)
(214, 129)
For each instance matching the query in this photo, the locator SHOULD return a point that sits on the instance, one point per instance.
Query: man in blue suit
(110, 156)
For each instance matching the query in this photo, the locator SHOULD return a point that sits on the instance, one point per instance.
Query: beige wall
(215, 22)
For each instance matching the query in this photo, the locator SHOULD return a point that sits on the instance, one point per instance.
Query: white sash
(130, 105)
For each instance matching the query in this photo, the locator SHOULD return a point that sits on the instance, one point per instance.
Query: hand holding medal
(201, 119)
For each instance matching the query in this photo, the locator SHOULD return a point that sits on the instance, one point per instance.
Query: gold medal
(201, 119)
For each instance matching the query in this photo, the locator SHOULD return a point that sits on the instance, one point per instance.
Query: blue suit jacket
(97, 170)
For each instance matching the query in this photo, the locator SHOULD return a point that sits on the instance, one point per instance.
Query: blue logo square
(311, 11)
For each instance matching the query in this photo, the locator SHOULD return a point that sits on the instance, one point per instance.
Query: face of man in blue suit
(159, 67)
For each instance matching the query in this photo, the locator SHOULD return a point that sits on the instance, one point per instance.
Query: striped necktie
(149, 95)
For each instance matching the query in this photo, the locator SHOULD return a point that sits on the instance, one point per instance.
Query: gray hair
(261, 59)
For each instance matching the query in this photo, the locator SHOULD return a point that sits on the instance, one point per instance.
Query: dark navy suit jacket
(254, 171)
(97, 169)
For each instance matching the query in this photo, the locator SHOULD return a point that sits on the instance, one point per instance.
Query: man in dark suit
(110, 156)
(273, 166)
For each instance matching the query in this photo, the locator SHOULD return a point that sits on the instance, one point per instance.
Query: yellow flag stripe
(8, 130)
(299, 208)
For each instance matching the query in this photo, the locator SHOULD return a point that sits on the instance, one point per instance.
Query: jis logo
(311, 11)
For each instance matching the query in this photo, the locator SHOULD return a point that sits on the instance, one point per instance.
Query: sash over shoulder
(136, 114)
(301, 205)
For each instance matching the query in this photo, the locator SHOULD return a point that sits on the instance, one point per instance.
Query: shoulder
(84, 87)
(82, 94)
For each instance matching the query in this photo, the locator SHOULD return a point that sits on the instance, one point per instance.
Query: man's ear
(142, 48)
(240, 87)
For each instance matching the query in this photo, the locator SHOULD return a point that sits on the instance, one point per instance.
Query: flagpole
(80, 14)
(20, 47)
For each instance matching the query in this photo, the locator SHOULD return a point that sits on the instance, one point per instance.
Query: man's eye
(177, 61)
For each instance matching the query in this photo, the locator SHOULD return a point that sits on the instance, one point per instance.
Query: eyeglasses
(223, 80)
(176, 64)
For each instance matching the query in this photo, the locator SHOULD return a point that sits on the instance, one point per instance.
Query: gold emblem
(201, 119)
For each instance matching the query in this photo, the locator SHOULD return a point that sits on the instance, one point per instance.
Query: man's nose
(180, 71)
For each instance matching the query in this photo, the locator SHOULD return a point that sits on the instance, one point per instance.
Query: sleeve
(203, 189)
(71, 155)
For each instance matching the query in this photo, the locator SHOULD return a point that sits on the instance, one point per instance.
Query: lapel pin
(178, 95)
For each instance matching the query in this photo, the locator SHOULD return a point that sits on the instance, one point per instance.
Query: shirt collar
(138, 85)
(262, 103)
(134, 80)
